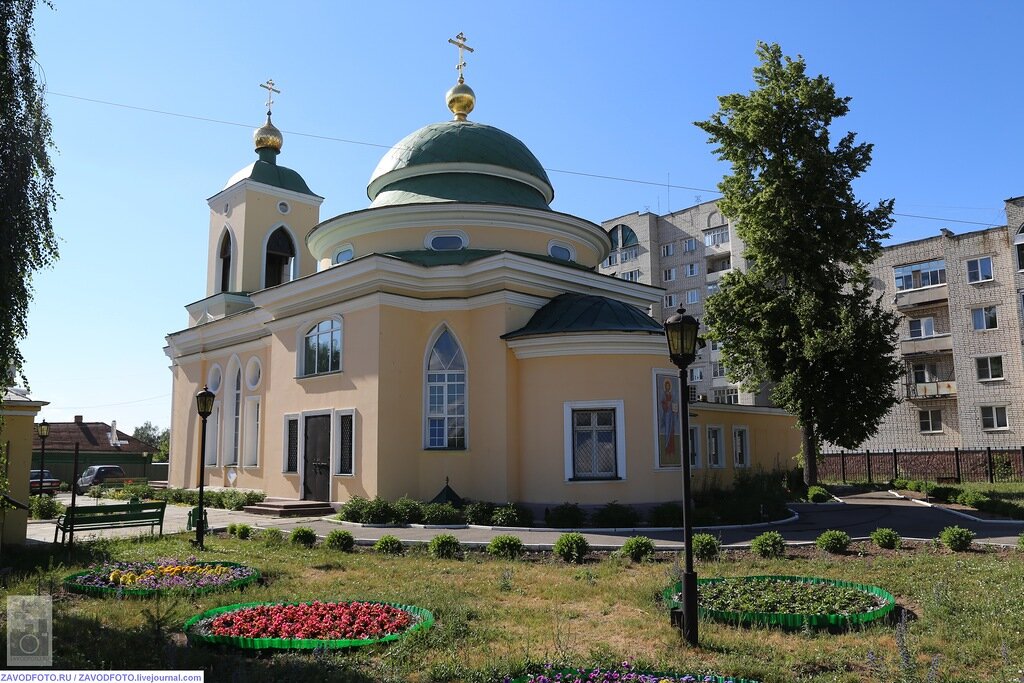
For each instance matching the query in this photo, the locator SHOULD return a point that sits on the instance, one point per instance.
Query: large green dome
(460, 161)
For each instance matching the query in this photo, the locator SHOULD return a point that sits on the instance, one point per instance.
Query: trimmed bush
(946, 493)
(817, 494)
(956, 538)
(833, 541)
(354, 510)
(572, 547)
(706, 547)
(243, 531)
(45, 507)
(340, 539)
(441, 513)
(271, 537)
(304, 536)
(407, 511)
(614, 515)
(232, 529)
(129, 491)
(769, 544)
(972, 498)
(506, 546)
(666, 514)
(445, 547)
(389, 545)
(479, 512)
(378, 511)
(638, 548)
(511, 515)
(899, 483)
(565, 516)
(886, 538)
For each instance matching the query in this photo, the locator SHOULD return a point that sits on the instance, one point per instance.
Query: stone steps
(285, 507)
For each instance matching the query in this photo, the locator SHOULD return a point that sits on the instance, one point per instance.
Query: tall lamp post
(204, 406)
(681, 331)
(43, 429)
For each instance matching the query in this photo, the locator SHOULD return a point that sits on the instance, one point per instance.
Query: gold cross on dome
(459, 41)
(269, 87)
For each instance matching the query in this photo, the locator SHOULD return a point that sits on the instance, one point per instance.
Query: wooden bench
(130, 514)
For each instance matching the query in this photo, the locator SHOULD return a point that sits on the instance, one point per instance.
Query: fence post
(988, 461)
(1021, 470)
(867, 459)
(895, 465)
(842, 463)
(956, 463)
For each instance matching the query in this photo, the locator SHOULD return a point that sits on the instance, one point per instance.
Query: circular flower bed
(306, 625)
(144, 579)
(619, 674)
(787, 601)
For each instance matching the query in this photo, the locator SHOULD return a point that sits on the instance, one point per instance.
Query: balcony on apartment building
(934, 344)
(926, 296)
(717, 268)
(930, 378)
(920, 284)
(931, 390)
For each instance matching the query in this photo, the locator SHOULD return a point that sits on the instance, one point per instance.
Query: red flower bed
(314, 620)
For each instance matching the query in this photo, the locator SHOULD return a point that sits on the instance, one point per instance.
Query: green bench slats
(111, 517)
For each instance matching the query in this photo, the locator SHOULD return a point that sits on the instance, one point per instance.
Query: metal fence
(945, 466)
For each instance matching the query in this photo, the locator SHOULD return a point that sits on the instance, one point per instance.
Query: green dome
(460, 161)
(266, 170)
(571, 312)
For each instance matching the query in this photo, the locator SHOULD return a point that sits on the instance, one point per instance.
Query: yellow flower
(115, 576)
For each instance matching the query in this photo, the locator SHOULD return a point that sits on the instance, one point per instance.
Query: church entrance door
(317, 464)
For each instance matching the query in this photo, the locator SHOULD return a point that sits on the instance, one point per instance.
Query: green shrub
(572, 547)
(303, 535)
(340, 539)
(565, 516)
(211, 499)
(95, 491)
(445, 547)
(506, 546)
(233, 499)
(479, 512)
(666, 514)
(706, 547)
(900, 484)
(886, 538)
(614, 515)
(441, 513)
(389, 545)
(271, 537)
(638, 548)
(956, 538)
(407, 511)
(232, 529)
(379, 511)
(511, 515)
(45, 507)
(945, 493)
(1020, 542)
(354, 509)
(972, 498)
(243, 531)
(129, 491)
(64, 487)
(817, 494)
(769, 544)
(833, 541)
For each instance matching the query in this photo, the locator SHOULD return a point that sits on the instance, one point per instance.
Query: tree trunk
(810, 444)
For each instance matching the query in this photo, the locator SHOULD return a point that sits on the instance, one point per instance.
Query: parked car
(49, 484)
(98, 474)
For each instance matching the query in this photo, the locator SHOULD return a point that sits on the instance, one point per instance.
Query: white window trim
(619, 407)
(988, 356)
(445, 233)
(669, 301)
(300, 346)
(294, 274)
(226, 440)
(982, 309)
(249, 364)
(213, 436)
(287, 207)
(696, 297)
(245, 446)
(220, 377)
(979, 259)
(695, 374)
(219, 269)
(688, 241)
(691, 270)
(668, 274)
(721, 451)
(746, 443)
(930, 422)
(994, 406)
(558, 243)
(697, 463)
(1018, 239)
(668, 250)
(921, 320)
(336, 445)
(344, 247)
(284, 442)
(425, 398)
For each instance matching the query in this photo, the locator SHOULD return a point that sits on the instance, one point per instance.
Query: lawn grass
(497, 618)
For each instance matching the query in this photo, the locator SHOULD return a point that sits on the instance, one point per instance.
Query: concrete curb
(959, 513)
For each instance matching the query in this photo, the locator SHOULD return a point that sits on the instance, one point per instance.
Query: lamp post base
(689, 611)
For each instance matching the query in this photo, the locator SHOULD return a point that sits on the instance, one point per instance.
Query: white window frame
(980, 272)
(689, 244)
(434, 234)
(929, 372)
(215, 378)
(718, 369)
(924, 322)
(630, 275)
(995, 411)
(669, 301)
(740, 437)
(730, 394)
(984, 317)
(931, 421)
(713, 288)
(936, 270)
(668, 274)
(619, 407)
(251, 418)
(227, 418)
(336, 445)
(721, 446)
(284, 442)
(988, 366)
(562, 245)
(425, 406)
(691, 269)
(213, 436)
(692, 296)
(716, 236)
(253, 366)
(695, 450)
(341, 250)
(1018, 243)
(667, 250)
(302, 332)
(696, 374)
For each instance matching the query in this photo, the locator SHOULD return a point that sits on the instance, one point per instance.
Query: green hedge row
(946, 493)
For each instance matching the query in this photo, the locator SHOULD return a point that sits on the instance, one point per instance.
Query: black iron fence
(955, 465)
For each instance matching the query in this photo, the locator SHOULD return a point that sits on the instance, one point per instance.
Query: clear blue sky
(591, 87)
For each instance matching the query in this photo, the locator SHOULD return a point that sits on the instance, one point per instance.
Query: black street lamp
(681, 331)
(43, 429)
(204, 406)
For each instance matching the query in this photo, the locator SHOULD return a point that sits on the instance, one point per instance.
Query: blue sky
(591, 87)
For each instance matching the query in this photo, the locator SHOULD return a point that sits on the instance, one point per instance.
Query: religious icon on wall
(669, 419)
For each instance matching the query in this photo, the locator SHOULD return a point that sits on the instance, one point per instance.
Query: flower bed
(787, 601)
(306, 625)
(144, 579)
(620, 674)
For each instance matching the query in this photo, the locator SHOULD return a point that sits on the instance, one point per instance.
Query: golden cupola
(268, 136)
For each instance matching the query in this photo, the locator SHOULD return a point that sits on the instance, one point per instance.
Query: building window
(693, 296)
(629, 254)
(979, 269)
(713, 288)
(225, 262)
(1018, 242)
(930, 421)
(446, 394)
(283, 207)
(694, 446)
(717, 345)
(716, 236)
(691, 269)
(560, 251)
(925, 372)
(212, 436)
(668, 275)
(740, 447)
(631, 276)
(984, 318)
(236, 418)
(989, 367)
(717, 368)
(730, 396)
(691, 392)
(670, 301)
(593, 444)
(612, 260)
(918, 275)
(696, 374)
(345, 460)
(322, 348)
(922, 327)
(279, 258)
(719, 266)
(690, 244)
(291, 444)
(344, 255)
(667, 249)
(715, 447)
(447, 243)
(993, 417)
(252, 432)
(253, 373)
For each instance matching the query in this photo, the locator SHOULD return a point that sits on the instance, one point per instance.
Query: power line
(348, 141)
(108, 405)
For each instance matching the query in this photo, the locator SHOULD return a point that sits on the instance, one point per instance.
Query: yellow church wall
(16, 431)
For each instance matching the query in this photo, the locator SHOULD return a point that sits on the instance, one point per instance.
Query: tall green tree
(27, 195)
(802, 319)
(148, 433)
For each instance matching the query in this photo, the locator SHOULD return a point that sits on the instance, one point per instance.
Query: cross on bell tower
(459, 41)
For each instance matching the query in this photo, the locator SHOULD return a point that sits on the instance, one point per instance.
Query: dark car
(98, 474)
(47, 484)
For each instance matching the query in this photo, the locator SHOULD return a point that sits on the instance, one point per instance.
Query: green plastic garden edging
(791, 620)
(659, 675)
(426, 620)
(104, 591)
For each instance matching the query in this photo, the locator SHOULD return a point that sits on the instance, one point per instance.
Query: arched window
(225, 262)
(280, 258)
(236, 417)
(322, 348)
(446, 394)
(625, 246)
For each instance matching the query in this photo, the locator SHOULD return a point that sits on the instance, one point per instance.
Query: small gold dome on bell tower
(268, 136)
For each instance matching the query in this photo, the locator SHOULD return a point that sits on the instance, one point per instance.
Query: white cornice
(234, 329)
(382, 181)
(250, 184)
(589, 344)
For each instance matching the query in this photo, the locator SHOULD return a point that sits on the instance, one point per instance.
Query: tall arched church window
(322, 348)
(280, 258)
(446, 394)
(236, 417)
(225, 262)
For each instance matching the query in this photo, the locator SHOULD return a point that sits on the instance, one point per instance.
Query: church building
(455, 329)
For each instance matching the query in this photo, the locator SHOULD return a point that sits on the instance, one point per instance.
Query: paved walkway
(858, 515)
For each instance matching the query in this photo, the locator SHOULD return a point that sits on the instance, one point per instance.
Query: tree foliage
(160, 440)
(27, 195)
(802, 318)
